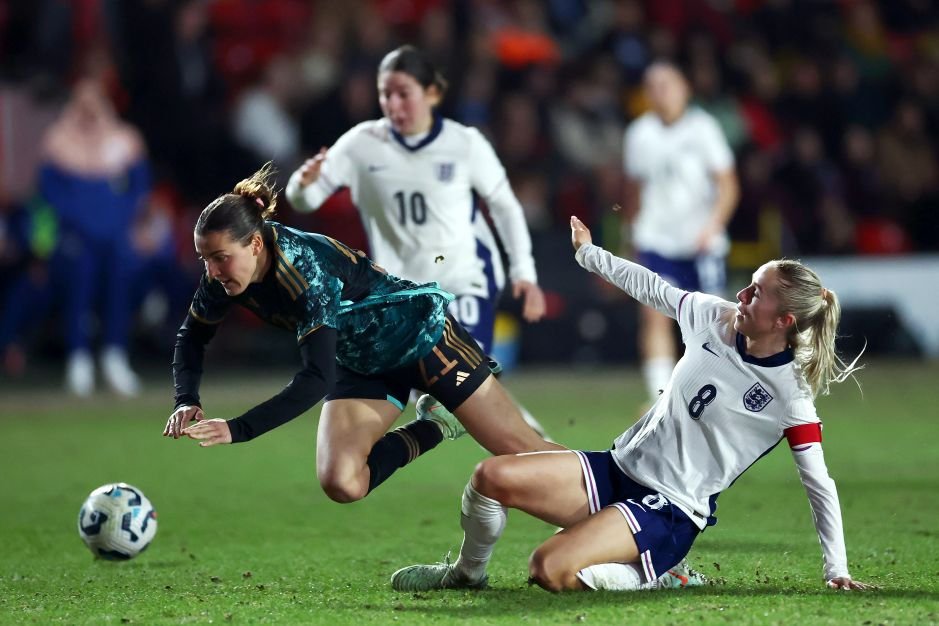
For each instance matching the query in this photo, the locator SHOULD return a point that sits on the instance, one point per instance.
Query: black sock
(399, 447)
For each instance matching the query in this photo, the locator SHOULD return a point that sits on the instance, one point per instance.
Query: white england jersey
(721, 410)
(674, 166)
(417, 204)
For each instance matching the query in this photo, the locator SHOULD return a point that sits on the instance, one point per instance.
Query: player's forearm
(309, 386)
(306, 198)
(639, 282)
(728, 196)
(304, 391)
(826, 508)
(188, 355)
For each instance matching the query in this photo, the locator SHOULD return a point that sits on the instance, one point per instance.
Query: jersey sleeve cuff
(187, 400)
(581, 255)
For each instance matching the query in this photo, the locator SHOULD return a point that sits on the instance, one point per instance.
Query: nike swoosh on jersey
(705, 346)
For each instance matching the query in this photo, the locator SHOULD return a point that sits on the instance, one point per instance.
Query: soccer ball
(117, 522)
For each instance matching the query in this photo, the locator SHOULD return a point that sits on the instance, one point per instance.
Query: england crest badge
(445, 172)
(756, 398)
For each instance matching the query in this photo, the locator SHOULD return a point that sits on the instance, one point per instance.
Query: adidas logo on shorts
(460, 377)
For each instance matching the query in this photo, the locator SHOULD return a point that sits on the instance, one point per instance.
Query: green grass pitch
(246, 535)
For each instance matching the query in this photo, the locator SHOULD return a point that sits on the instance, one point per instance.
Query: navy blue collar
(773, 360)
(435, 129)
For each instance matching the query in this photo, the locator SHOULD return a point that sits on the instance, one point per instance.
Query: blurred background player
(96, 175)
(630, 514)
(681, 191)
(366, 339)
(416, 178)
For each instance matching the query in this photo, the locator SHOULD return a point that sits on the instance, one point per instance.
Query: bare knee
(552, 573)
(493, 478)
(342, 486)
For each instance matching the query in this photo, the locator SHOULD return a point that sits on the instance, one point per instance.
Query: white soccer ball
(117, 522)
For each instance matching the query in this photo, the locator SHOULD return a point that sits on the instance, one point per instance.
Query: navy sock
(399, 447)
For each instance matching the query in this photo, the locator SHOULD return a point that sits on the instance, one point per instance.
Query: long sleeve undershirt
(639, 282)
(509, 218)
(826, 509)
(309, 385)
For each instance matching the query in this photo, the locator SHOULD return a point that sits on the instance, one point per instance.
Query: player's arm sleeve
(336, 172)
(188, 356)
(720, 157)
(208, 309)
(489, 179)
(309, 386)
(630, 153)
(805, 442)
(639, 282)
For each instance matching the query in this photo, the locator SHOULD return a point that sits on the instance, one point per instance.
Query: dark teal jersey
(382, 322)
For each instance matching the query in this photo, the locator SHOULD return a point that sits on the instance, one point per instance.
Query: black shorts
(450, 372)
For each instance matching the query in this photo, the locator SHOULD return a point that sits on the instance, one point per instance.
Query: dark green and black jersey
(343, 308)
(382, 322)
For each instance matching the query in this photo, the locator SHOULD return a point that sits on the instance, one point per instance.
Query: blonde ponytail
(817, 313)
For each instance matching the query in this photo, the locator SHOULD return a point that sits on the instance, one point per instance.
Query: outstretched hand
(206, 432)
(209, 432)
(847, 584)
(310, 170)
(580, 234)
(180, 419)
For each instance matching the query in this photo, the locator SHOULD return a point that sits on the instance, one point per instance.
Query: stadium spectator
(162, 284)
(28, 236)
(909, 168)
(413, 175)
(831, 68)
(682, 190)
(96, 176)
(178, 94)
(366, 339)
(813, 207)
(630, 514)
(263, 121)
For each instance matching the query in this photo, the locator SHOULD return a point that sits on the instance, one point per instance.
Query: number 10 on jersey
(415, 203)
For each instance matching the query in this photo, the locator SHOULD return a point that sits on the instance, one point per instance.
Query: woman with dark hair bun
(366, 339)
(416, 178)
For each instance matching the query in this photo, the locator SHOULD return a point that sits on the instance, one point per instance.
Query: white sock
(483, 520)
(614, 577)
(656, 372)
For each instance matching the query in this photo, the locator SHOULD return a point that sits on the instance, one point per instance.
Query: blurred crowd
(831, 107)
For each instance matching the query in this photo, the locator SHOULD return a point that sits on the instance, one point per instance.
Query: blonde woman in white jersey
(746, 382)
(681, 192)
(415, 177)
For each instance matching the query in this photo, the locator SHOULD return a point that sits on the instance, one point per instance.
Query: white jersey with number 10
(417, 203)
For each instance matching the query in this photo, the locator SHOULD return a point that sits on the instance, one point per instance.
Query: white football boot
(431, 577)
(429, 409)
